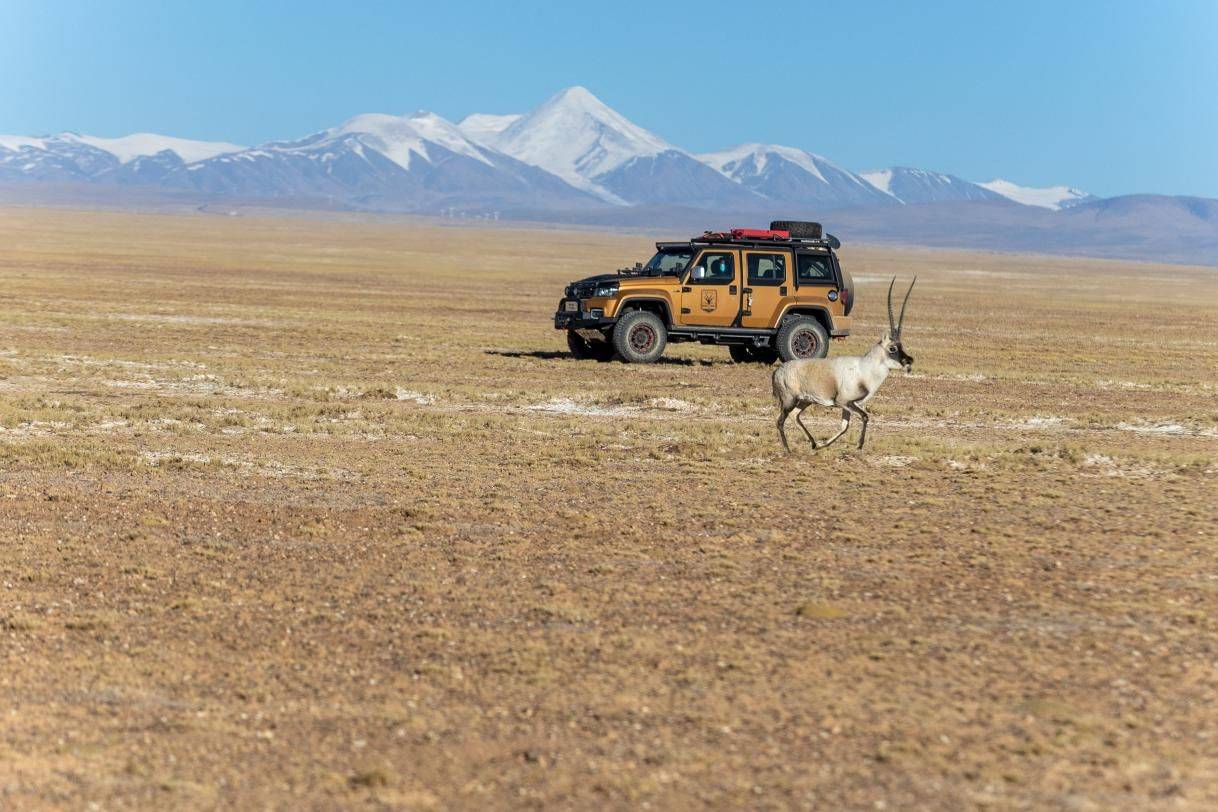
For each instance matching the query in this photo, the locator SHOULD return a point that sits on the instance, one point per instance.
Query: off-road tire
(745, 354)
(640, 337)
(585, 350)
(799, 229)
(802, 337)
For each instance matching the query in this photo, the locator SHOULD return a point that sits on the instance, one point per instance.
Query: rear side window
(814, 268)
(767, 269)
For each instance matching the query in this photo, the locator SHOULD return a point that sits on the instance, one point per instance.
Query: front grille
(582, 290)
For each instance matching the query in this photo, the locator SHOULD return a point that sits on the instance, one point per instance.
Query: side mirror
(699, 272)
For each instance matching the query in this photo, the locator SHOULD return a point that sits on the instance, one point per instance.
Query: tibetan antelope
(846, 381)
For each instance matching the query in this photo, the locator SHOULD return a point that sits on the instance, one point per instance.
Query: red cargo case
(759, 234)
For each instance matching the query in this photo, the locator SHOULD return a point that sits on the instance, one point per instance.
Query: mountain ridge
(573, 159)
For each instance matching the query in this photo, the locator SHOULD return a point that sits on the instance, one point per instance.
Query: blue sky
(1112, 97)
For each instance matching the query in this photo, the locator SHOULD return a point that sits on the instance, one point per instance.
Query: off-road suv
(765, 293)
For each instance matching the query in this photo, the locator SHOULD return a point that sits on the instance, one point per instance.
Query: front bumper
(582, 317)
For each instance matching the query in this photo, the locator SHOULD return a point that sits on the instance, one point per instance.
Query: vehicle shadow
(558, 355)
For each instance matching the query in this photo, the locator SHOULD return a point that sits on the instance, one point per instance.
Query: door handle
(732, 290)
(748, 290)
(782, 291)
(687, 290)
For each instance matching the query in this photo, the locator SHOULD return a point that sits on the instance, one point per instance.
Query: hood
(597, 279)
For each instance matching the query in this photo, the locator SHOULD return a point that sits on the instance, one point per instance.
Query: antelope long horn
(901, 321)
(892, 325)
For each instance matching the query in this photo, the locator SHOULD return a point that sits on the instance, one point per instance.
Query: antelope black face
(895, 356)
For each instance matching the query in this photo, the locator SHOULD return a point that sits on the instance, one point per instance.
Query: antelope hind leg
(782, 433)
(799, 418)
(865, 417)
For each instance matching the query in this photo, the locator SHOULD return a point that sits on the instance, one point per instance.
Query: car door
(710, 295)
(767, 280)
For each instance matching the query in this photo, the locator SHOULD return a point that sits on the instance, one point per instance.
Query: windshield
(670, 260)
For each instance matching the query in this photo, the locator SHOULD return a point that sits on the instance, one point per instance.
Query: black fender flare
(624, 305)
(817, 312)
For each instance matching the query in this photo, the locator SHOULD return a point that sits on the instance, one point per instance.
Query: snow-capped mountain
(572, 152)
(921, 186)
(145, 145)
(793, 177)
(403, 163)
(70, 156)
(1050, 197)
(579, 138)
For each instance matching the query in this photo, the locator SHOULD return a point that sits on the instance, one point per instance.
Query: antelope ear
(884, 338)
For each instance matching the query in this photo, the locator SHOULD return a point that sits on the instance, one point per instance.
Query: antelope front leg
(865, 417)
(838, 436)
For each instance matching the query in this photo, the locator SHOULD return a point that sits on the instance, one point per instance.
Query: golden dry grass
(315, 514)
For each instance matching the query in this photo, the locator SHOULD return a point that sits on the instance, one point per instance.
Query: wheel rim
(642, 338)
(804, 343)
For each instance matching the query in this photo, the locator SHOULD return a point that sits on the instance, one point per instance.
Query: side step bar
(720, 331)
(714, 335)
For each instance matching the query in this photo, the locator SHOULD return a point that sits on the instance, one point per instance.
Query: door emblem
(710, 300)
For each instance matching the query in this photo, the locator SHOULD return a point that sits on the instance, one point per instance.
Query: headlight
(606, 289)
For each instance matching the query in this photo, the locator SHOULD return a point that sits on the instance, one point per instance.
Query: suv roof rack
(755, 237)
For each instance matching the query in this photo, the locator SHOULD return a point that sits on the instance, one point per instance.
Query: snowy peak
(793, 177)
(416, 162)
(751, 159)
(125, 149)
(1049, 197)
(15, 142)
(485, 126)
(576, 136)
(908, 185)
(441, 131)
(400, 137)
(144, 145)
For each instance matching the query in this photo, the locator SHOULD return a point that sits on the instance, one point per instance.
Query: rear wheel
(584, 349)
(640, 337)
(802, 337)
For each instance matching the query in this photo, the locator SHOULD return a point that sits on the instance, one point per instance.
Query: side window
(714, 268)
(767, 269)
(814, 268)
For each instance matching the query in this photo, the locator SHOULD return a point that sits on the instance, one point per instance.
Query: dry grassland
(309, 514)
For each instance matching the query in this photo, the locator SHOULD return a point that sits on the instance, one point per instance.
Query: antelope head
(895, 356)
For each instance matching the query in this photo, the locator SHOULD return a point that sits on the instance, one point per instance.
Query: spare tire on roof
(800, 229)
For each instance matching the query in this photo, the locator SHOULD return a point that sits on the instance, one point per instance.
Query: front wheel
(640, 337)
(802, 337)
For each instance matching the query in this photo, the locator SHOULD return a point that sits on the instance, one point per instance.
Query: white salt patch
(1038, 422)
(894, 461)
(416, 397)
(568, 406)
(1164, 428)
(671, 404)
